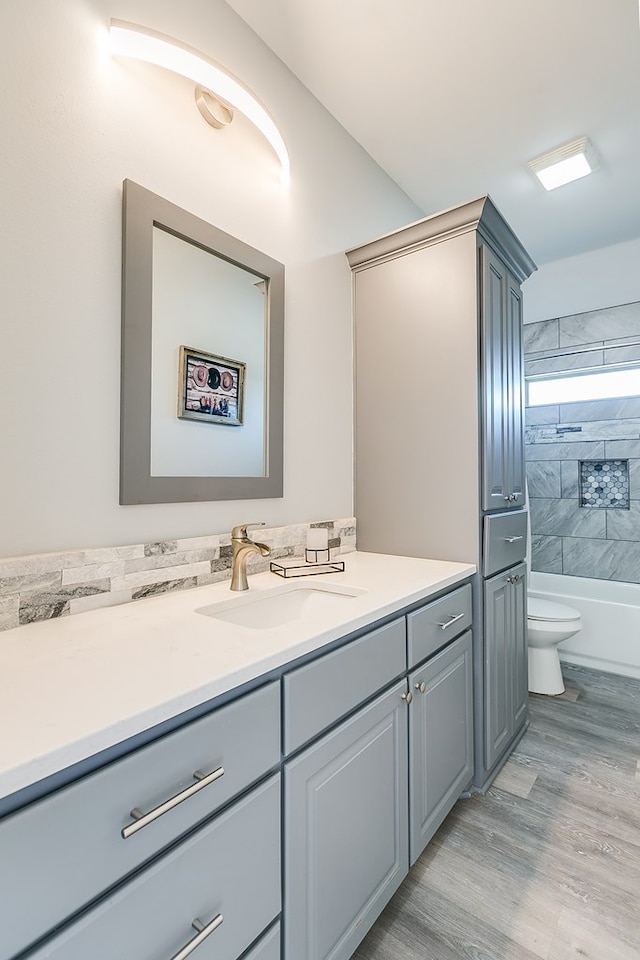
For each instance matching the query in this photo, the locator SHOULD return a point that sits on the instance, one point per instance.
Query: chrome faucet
(242, 546)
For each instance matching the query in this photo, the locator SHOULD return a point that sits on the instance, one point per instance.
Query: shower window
(575, 386)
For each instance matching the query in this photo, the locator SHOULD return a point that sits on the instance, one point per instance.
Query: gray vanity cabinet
(505, 667)
(502, 383)
(440, 739)
(345, 839)
(221, 885)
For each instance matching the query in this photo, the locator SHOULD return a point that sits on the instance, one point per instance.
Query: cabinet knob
(407, 696)
(514, 578)
(422, 687)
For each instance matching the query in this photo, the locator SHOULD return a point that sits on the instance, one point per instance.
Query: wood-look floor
(547, 863)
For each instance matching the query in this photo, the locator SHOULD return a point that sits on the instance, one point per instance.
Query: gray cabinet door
(440, 739)
(345, 844)
(502, 382)
(520, 651)
(505, 660)
(514, 410)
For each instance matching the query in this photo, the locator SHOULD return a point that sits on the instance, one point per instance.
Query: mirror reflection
(219, 310)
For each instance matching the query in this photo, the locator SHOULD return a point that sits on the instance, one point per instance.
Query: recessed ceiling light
(570, 162)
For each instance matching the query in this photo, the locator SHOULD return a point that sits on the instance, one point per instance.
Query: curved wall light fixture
(130, 40)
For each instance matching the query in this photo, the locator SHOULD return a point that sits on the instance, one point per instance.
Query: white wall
(75, 124)
(600, 278)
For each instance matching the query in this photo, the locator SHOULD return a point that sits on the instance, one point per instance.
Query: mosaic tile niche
(604, 484)
(48, 585)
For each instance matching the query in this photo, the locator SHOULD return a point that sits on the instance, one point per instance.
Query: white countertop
(73, 686)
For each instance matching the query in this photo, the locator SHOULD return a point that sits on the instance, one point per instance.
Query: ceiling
(452, 98)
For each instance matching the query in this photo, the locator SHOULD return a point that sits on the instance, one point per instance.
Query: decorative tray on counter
(299, 568)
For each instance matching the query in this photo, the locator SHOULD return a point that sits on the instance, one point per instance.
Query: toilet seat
(549, 610)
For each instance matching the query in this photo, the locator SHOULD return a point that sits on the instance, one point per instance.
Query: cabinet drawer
(59, 853)
(505, 541)
(433, 626)
(318, 694)
(229, 868)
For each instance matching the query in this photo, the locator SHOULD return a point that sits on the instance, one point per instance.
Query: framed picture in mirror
(210, 388)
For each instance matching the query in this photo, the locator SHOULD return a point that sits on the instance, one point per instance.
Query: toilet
(548, 624)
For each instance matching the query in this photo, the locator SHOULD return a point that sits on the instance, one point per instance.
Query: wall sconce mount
(217, 93)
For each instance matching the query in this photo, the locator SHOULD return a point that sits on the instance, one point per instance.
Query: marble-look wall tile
(94, 602)
(536, 415)
(46, 604)
(588, 430)
(573, 361)
(608, 430)
(568, 451)
(31, 583)
(564, 518)
(133, 581)
(601, 559)
(611, 322)
(9, 611)
(164, 586)
(569, 486)
(543, 478)
(160, 547)
(624, 524)
(543, 335)
(621, 409)
(634, 479)
(160, 561)
(622, 355)
(198, 543)
(42, 586)
(546, 554)
(94, 571)
(620, 450)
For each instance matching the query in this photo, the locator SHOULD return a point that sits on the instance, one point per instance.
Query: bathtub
(610, 635)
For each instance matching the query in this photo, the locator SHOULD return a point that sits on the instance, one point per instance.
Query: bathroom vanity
(179, 762)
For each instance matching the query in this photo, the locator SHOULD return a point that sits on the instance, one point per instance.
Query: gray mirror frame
(142, 210)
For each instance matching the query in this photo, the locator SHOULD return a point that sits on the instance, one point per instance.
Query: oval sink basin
(274, 608)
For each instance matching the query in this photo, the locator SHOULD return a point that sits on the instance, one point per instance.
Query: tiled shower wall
(566, 537)
(57, 584)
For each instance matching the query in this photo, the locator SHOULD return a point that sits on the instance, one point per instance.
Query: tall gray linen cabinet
(439, 431)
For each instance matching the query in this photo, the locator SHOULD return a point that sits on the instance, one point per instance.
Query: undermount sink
(274, 608)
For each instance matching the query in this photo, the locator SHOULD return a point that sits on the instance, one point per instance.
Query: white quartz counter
(74, 686)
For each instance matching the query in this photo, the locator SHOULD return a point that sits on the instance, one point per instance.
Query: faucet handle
(240, 532)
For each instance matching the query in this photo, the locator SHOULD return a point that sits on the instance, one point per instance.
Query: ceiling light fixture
(570, 162)
(216, 91)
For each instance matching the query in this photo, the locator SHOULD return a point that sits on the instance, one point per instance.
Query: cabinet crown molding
(479, 215)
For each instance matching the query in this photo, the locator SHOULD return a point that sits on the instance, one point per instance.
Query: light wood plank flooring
(547, 863)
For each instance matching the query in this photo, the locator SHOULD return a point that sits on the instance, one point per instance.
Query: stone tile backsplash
(50, 585)
(565, 442)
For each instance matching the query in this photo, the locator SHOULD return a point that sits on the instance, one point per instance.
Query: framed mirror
(202, 360)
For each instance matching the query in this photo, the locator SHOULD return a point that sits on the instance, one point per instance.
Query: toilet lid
(549, 610)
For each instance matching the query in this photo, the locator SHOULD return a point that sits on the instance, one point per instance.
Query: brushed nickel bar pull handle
(512, 539)
(452, 619)
(204, 930)
(142, 819)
